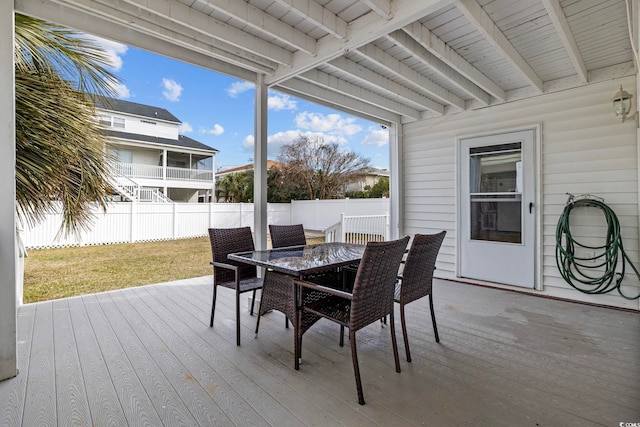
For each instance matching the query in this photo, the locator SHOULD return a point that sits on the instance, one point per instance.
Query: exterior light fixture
(622, 103)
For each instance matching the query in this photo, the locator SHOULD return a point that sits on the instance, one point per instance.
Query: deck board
(146, 356)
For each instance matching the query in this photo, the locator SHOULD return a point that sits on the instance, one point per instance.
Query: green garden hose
(596, 274)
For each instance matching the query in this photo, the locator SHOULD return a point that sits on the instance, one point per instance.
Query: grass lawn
(64, 272)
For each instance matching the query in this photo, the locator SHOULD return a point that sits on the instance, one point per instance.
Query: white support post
(8, 245)
(260, 165)
(164, 168)
(395, 185)
(343, 231)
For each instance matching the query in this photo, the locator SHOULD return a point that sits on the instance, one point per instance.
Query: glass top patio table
(303, 260)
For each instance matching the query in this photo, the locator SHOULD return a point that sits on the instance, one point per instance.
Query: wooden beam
(385, 85)
(263, 22)
(127, 32)
(381, 7)
(476, 15)
(340, 86)
(328, 98)
(361, 31)
(318, 15)
(402, 40)
(207, 26)
(433, 44)
(554, 10)
(410, 76)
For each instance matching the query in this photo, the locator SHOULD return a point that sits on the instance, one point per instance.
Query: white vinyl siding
(584, 149)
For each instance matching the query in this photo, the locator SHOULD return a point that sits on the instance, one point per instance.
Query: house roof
(391, 61)
(247, 167)
(136, 109)
(182, 141)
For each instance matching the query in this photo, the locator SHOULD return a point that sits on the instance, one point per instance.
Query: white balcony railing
(136, 170)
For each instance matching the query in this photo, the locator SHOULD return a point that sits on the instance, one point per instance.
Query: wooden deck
(146, 356)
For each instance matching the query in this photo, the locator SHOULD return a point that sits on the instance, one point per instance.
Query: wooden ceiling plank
(410, 46)
(483, 23)
(433, 44)
(263, 22)
(381, 7)
(410, 76)
(204, 24)
(318, 15)
(384, 84)
(566, 36)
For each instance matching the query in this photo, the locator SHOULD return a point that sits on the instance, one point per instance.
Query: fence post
(174, 234)
(343, 232)
(210, 215)
(132, 223)
(387, 226)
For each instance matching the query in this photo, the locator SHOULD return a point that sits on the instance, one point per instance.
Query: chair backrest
(287, 235)
(417, 276)
(375, 282)
(225, 241)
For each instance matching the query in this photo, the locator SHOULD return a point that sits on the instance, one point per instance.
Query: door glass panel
(495, 175)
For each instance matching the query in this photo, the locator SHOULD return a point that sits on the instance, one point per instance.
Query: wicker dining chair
(416, 280)
(277, 292)
(231, 274)
(287, 235)
(370, 300)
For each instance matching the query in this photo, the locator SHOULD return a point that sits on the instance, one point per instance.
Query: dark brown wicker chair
(370, 300)
(416, 280)
(230, 274)
(287, 235)
(277, 293)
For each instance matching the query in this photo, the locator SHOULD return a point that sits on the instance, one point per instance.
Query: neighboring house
(155, 162)
(369, 179)
(245, 168)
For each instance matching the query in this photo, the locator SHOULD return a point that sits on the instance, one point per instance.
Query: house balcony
(168, 173)
(147, 356)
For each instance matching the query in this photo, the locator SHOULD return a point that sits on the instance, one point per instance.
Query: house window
(118, 122)
(105, 120)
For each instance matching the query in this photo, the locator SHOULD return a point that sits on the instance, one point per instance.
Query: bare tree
(319, 167)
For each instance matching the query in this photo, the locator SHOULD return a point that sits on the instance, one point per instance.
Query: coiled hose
(582, 272)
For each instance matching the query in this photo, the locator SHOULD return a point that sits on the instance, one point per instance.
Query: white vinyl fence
(138, 222)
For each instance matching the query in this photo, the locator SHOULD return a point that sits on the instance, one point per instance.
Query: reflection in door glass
(496, 193)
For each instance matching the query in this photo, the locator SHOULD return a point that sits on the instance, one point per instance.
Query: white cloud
(248, 142)
(239, 87)
(185, 127)
(121, 90)
(278, 102)
(330, 123)
(113, 50)
(215, 130)
(172, 89)
(376, 137)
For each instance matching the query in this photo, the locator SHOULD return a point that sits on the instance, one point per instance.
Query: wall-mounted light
(622, 103)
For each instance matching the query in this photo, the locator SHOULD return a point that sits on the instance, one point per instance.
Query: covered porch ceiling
(390, 61)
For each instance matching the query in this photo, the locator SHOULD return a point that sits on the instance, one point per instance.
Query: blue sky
(217, 110)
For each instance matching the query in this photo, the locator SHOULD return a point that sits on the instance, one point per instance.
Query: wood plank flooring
(147, 357)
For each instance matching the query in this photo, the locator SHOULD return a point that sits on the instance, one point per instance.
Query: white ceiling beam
(410, 76)
(326, 97)
(208, 26)
(263, 22)
(318, 15)
(554, 10)
(381, 7)
(437, 47)
(173, 33)
(410, 46)
(112, 30)
(361, 31)
(340, 86)
(476, 15)
(385, 85)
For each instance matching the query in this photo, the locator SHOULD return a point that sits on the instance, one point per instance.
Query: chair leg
(253, 301)
(404, 333)
(213, 305)
(286, 322)
(433, 318)
(259, 316)
(341, 336)
(393, 341)
(237, 318)
(356, 367)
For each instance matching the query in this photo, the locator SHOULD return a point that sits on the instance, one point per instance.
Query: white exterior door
(497, 211)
